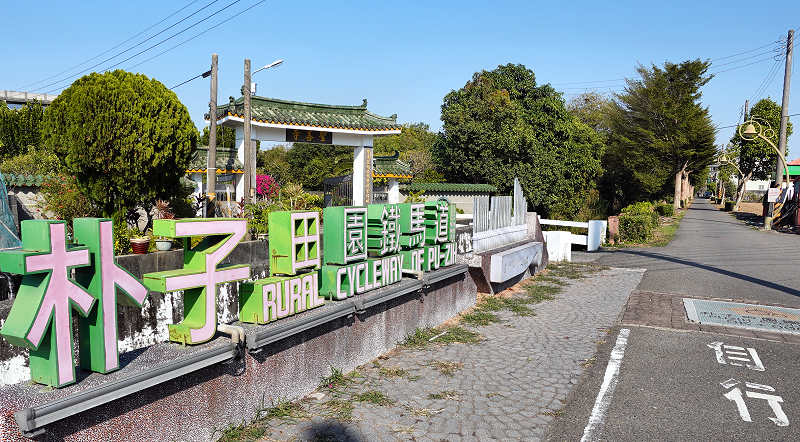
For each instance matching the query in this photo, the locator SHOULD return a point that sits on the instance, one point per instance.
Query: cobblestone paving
(508, 386)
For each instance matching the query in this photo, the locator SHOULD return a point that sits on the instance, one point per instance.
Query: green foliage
(658, 127)
(290, 197)
(226, 137)
(35, 161)
(665, 209)
(414, 144)
(501, 125)
(274, 162)
(635, 228)
(756, 156)
(642, 208)
(20, 128)
(591, 109)
(126, 138)
(416, 197)
(63, 199)
(312, 163)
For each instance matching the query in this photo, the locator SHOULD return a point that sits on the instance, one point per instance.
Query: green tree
(501, 125)
(312, 163)
(20, 128)
(35, 161)
(126, 138)
(659, 130)
(274, 162)
(226, 137)
(414, 144)
(756, 159)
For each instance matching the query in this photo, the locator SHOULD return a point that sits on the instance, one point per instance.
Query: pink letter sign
(200, 275)
(98, 332)
(41, 317)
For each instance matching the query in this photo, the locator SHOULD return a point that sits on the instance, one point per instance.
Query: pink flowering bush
(266, 186)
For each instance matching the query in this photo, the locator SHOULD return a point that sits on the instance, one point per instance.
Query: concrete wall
(191, 407)
(140, 328)
(462, 200)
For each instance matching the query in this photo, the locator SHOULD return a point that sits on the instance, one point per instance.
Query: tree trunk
(740, 191)
(676, 197)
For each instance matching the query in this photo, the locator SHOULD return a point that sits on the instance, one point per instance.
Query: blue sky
(403, 56)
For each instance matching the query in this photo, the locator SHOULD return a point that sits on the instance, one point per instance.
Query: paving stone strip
(507, 382)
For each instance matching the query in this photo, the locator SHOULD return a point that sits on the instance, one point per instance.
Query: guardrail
(595, 236)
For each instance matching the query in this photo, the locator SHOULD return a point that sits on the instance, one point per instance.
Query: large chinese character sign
(201, 272)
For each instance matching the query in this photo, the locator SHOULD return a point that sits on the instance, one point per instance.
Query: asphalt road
(669, 383)
(716, 255)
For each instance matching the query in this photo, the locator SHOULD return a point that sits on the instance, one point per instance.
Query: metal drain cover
(740, 315)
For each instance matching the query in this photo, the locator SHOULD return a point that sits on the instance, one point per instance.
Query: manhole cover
(737, 314)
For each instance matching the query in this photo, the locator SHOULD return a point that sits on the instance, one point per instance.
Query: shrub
(64, 200)
(635, 228)
(642, 208)
(665, 209)
(35, 161)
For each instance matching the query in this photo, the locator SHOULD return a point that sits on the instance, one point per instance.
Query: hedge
(665, 209)
(642, 208)
(635, 228)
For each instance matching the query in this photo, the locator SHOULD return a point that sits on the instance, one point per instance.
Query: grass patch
(392, 372)
(242, 433)
(479, 318)
(589, 362)
(340, 409)
(553, 413)
(422, 412)
(444, 395)
(337, 380)
(283, 409)
(423, 337)
(447, 368)
(374, 397)
(549, 279)
(541, 293)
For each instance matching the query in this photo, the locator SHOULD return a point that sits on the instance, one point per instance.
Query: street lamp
(759, 128)
(250, 153)
(723, 159)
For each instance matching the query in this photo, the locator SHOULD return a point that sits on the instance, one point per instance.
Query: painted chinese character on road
(737, 356)
(755, 391)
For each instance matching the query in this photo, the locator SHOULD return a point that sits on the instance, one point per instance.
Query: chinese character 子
(41, 317)
(737, 356)
(200, 273)
(98, 332)
(735, 395)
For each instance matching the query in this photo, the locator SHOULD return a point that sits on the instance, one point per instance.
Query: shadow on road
(740, 276)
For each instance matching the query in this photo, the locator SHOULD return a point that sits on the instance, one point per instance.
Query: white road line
(608, 385)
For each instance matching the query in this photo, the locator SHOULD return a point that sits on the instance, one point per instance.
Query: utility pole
(247, 145)
(787, 79)
(211, 163)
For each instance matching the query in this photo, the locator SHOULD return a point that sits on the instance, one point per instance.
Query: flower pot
(163, 244)
(140, 245)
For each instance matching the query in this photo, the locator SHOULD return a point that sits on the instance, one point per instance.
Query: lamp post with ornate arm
(723, 159)
(759, 128)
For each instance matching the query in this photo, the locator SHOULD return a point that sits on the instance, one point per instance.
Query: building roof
(295, 113)
(21, 180)
(390, 167)
(226, 161)
(795, 162)
(450, 187)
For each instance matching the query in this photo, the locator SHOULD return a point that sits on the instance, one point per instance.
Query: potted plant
(140, 244)
(163, 211)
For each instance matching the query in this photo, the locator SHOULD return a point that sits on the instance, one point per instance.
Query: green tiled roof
(226, 161)
(323, 116)
(450, 187)
(390, 167)
(11, 179)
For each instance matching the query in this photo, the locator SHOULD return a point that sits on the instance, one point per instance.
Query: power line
(750, 57)
(762, 87)
(197, 35)
(126, 50)
(747, 52)
(204, 75)
(742, 66)
(110, 49)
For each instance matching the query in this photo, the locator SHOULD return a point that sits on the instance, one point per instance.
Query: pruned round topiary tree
(126, 138)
